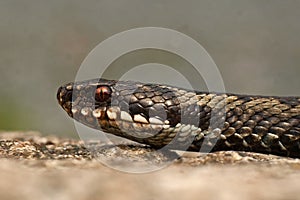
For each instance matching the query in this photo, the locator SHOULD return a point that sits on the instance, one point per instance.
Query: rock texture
(36, 167)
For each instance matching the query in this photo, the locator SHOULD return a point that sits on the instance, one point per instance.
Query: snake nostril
(68, 96)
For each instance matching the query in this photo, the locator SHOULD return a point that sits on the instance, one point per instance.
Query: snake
(160, 116)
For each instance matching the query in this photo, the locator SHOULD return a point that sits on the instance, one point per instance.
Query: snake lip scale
(161, 115)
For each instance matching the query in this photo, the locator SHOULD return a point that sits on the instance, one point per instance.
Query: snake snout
(64, 97)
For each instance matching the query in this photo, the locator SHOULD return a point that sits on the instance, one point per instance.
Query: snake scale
(161, 115)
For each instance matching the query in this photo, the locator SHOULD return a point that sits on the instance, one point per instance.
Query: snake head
(85, 101)
(134, 110)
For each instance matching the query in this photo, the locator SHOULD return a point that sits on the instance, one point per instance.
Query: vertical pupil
(102, 93)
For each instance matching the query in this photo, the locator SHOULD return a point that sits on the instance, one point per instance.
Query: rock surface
(36, 167)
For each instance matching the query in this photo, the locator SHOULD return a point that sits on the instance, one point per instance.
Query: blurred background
(255, 44)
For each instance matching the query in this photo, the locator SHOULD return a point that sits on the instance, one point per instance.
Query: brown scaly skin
(160, 115)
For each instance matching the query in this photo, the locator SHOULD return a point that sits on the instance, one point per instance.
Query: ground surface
(36, 167)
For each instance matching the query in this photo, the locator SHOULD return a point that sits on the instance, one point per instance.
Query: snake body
(161, 115)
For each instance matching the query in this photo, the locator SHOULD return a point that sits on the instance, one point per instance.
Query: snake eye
(102, 93)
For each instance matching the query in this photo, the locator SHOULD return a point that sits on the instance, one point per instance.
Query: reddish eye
(103, 93)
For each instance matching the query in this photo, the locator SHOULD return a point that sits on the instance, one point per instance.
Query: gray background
(255, 44)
